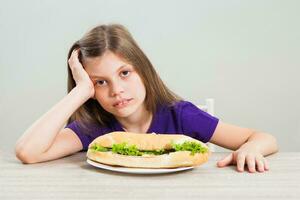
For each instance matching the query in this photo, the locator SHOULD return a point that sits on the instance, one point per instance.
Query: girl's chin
(123, 113)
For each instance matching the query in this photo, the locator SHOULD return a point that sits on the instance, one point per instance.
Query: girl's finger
(73, 60)
(251, 163)
(225, 161)
(260, 164)
(240, 162)
(76, 51)
(266, 164)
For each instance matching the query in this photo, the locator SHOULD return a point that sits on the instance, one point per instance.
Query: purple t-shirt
(182, 118)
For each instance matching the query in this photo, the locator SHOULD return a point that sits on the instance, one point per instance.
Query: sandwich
(141, 150)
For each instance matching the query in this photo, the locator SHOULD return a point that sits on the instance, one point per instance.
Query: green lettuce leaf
(191, 146)
(132, 150)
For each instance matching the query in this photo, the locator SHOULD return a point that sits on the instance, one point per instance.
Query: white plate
(136, 170)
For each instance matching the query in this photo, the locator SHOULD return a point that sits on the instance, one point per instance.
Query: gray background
(244, 54)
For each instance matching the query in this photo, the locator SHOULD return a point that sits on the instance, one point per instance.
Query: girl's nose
(116, 89)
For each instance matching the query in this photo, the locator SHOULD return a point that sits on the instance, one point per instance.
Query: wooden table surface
(72, 178)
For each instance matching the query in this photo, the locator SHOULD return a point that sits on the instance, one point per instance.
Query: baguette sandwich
(143, 150)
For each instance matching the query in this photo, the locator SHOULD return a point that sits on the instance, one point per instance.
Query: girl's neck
(139, 122)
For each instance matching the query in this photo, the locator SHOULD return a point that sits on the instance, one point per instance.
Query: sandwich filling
(132, 150)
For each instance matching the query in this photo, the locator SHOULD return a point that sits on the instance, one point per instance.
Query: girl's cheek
(99, 93)
(134, 81)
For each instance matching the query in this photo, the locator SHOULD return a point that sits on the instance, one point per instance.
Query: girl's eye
(101, 82)
(125, 73)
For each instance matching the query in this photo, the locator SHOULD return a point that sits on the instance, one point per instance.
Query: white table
(72, 178)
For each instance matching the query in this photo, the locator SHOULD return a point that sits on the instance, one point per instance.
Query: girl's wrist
(83, 90)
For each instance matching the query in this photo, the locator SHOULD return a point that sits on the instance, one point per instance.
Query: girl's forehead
(107, 64)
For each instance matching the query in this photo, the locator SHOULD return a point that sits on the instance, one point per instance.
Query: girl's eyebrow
(95, 76)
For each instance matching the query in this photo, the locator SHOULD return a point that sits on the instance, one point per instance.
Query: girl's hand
(246, 154)
(80, 76)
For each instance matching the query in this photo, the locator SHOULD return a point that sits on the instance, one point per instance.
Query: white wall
(245, 54)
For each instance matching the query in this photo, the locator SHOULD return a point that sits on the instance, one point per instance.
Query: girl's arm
(45, 139)
(38, 138)
(249, 146)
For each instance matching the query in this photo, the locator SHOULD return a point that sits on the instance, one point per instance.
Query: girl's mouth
(123, 103)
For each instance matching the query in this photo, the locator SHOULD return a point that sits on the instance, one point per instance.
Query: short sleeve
(197, 122)
(84, 138)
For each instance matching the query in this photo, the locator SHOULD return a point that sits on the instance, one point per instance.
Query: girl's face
(118, 87)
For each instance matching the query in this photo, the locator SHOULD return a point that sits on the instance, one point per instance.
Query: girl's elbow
(273, 142)
(24, 156)
(276, 148)
(269, 141)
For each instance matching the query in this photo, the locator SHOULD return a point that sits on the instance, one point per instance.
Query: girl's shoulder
(183, 103)
(185, 108)
(179, 105)
(178, 108)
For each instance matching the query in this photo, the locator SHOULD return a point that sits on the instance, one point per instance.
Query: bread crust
(143, 141)
(147, 142)
(171, 160)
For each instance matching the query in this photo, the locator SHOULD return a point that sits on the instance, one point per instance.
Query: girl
(113, 87)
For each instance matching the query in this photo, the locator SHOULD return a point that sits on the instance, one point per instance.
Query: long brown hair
(117, 39)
